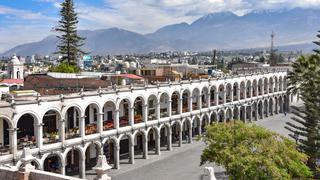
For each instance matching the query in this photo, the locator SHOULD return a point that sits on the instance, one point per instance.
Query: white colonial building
(66, 133)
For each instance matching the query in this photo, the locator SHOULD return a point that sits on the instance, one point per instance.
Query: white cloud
(23, 14)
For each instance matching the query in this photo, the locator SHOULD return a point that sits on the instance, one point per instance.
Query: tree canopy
(248, 151)
(69, 41)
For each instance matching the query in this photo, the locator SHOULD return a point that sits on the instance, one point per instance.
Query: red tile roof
(11, 81)
(130, 76)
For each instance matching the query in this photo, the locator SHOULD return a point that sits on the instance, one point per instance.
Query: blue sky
(23, 21)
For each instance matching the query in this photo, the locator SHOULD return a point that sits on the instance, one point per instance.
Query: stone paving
(182, 163)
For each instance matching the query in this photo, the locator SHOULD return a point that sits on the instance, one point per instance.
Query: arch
(73, 117)
(124, 112)
(164, 103)
(242, 90)
(28, 131)
(139, 144)
(204, 97)
(139, 111)
(248, 89)
(5, 140)
(248, 113)
(109, 120)
(50, 120)
(125, 141)
(176, 127)
(109, 147)
(260, 109)
(186, 101)
(265, 108)
(221, 116)
(165, 133)
(236, 113)
(205, 121)
(221, 94)
(152, 136)
(91, 118)
(52, 162)
(260, 89)
(213, 95)
(271, 110)
(152, 107)
(73, 158)
(271, 85)
(280, 83)
(265, 86)
(91, 153)
(254, 88)
(213, 117)
(175, 105)
(229, 93)
(229, 116)
(242, 113)
(186, 130)
(235, 91)
(196, 99)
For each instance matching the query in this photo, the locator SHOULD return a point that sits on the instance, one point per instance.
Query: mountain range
(225, 30)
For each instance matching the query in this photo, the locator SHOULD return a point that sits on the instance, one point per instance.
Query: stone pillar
(39, 132)
(256, 112)
(169, 108)
(208, 100)
(116, 118)
(82, 126)
(190, 133)
(169, 140)
(231, 95)
(100, 122)
(63, 168)
(145, 112)
(180, 105)
(13, 141)
(83, 167)
(199, 101)
(131, 152)
(190, 104)
(145, 147)
(117, 156)
(238, 92)
(180, 137)
(245, 114)
(216, 101)
(131, 116)
(224, 96)
(62, 131)
(158, 147)
(158, 111)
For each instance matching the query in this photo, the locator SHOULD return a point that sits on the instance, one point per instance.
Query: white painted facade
(164, 118)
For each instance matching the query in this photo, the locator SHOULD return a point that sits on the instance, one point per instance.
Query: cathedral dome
(15, 60)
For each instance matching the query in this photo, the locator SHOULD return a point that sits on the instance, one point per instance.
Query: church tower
(15, 68)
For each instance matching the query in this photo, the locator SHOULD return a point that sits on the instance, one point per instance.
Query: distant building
(15, 68)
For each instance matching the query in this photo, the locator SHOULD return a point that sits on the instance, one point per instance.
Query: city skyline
(32, 20)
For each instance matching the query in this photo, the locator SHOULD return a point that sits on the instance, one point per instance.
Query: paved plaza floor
(182, 163)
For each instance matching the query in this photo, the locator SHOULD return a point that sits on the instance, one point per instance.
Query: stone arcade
(67, 133)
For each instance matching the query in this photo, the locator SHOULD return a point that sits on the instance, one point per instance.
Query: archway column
(190, 134)
(39, 135)
(158, 111)
(158, 147)
(190, 104)
(131, 151)
(63, 168)
(231, 95)
(131, 116)
(180, 104)
(144, 112)
(117, 155)
(199, 101)
(169, 110)
(100, 122)
(238, 93)
(62, 133)
(145, 147)
(13, 141)
(256, 111)
(208, 100)
(116, 118)
(180, 136)
(169, 140)
(83, 166)
(82, 126)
